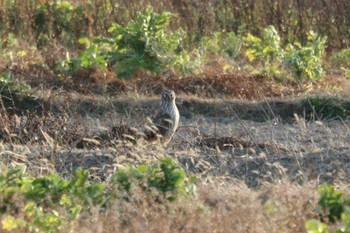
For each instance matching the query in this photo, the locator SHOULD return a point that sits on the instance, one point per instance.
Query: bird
(165, 123)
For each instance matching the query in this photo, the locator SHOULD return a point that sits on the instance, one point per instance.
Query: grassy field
(258, 163)
(264, 117)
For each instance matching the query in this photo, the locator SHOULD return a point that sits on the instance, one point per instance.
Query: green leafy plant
(42, 198)
(60, 26)
(51, 203)
(306, 61)
(315, 226)
(219, 46)
(185, 62)
(344, 58)
(267, 50)
(332, 203)
(165, 176)
(10, 86)
(95, 55)
(333, 207)
(224, 44)
(143, 44)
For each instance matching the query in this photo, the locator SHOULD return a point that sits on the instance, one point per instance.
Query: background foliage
(185, 37)
(66, 21)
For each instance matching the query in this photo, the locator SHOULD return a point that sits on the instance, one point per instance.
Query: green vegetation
(333, 207)
(343, 57)
(144, 44)
(218, 45)
(126, 40)
(304, 61)
(267, 50)
(49, 203)
(319, 107)
(10, 86)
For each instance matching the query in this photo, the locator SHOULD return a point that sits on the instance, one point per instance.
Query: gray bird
(166, 121)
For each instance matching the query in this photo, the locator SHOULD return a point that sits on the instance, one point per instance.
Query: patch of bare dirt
(236, 85)
(102, 82)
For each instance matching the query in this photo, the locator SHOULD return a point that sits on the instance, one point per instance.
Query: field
(264, 122)
(258, 163)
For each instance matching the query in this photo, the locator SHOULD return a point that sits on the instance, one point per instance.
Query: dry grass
(258, 163)
(258, 159)
(89, 18)
(230, 207)
(253, 176)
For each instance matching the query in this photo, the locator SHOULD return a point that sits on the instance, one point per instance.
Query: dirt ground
(230, 130)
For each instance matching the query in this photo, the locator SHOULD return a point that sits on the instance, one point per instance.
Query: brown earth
(237, 85)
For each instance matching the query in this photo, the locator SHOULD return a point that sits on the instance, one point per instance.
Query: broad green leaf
(9, 223)
(85, 41)
(315, 226)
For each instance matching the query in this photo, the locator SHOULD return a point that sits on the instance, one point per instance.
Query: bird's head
(168, 96)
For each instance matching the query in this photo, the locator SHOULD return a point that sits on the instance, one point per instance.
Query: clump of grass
(326, 107)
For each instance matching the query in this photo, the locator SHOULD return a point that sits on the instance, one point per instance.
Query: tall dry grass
(53, 21)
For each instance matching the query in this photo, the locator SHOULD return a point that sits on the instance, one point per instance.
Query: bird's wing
(163, 122)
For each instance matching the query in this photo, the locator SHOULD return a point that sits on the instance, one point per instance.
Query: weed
(333, 207)
(343, 57)
(10, 86)
(306, 61)
(323, 107)
(222, 44)
(266, 49)
(144, 44)
(50, 202)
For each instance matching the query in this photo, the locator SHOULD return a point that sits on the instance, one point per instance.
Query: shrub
(306, 61)
(344, 58)
(217, 46)
(95, 55)
(165, 176)
(54, 20)
(10, 86)
(332, 203)
(143, 44)
(223, 44)
(333, 207)
(266, 50)
(49, 203)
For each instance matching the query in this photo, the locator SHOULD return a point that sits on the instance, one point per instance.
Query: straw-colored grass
(252, 176)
